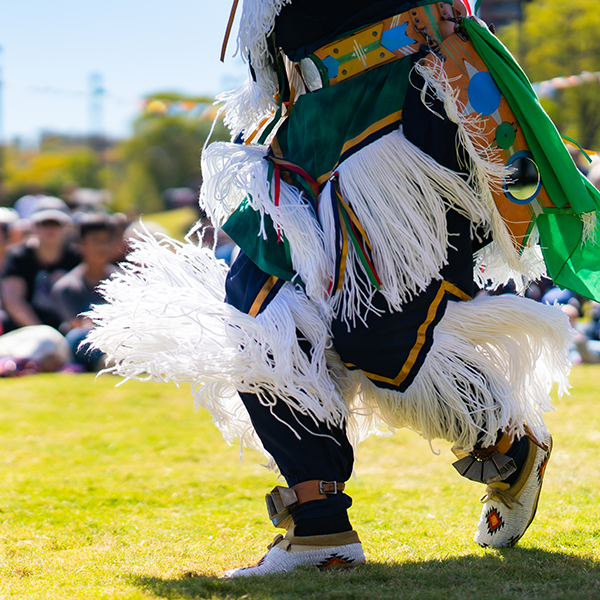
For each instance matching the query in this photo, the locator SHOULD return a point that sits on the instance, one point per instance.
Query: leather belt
(378, 44)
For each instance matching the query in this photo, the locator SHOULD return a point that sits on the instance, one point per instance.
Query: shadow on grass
(500, 574)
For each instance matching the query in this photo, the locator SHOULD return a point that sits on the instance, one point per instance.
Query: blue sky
(50, 48)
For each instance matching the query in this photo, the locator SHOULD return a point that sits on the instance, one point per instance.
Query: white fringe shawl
(487, 173)
(232, 173)
(165, 320)
(491, 367)
(400, 196)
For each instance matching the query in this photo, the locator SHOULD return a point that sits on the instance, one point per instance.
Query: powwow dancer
(381, 150)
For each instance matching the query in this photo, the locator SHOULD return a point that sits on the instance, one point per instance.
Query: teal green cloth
(570, 263)
(271, 255)
(328, 125)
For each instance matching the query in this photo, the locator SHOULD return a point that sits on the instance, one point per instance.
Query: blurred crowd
(52, 258)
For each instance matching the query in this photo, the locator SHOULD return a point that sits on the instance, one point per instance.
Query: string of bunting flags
(547, 89)
(200, 110)
(207, 111)
(203, 110)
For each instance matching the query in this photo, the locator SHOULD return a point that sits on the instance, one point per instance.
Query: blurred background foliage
(560, 38)
(163, 153)
(550, 38)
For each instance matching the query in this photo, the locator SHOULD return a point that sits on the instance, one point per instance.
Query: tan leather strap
(316, 489)
(501, 447)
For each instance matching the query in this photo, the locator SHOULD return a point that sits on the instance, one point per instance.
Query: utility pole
(96, 111)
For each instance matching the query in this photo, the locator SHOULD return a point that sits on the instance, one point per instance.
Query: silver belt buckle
(335, 488)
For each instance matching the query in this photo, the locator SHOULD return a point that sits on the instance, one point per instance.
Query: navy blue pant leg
(323, 452)
(320, 452)
(315, 450)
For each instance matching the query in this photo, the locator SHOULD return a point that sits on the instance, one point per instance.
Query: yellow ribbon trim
(262, 296)
(421, 335)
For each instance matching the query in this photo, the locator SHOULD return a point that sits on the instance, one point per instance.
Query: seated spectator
(583, 349)
(76, 291)
(8, 216)
(556, 295)
(35, 349)
(120, 251)
(32, 267)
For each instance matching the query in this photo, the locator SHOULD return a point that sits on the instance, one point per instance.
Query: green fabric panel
(270, 255)
(571, 265)
(322, 122)
(563, 181)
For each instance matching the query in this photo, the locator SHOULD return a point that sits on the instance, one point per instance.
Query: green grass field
(127, 493)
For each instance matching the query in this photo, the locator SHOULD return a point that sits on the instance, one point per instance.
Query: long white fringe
(400, 196)
(232, 173)
(492, 366)
(248, 105)
(490, 271)
(590, 228)
(487, 172)
(246, 109)
(249, 110)
(256, 25)
(165, 320)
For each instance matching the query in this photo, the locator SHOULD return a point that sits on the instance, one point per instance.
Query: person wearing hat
(31, 268)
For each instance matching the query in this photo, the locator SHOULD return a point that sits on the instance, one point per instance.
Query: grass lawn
(126, 493)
